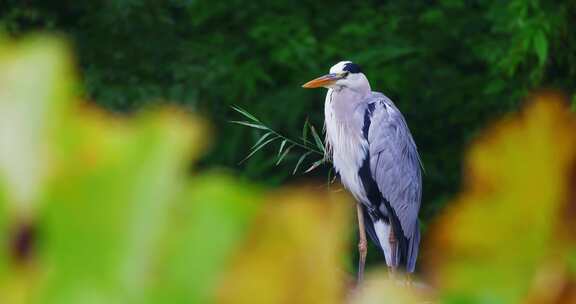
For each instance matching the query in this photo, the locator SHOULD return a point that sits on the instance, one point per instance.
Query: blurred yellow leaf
(491, 242)
(294, 253)
(380, 288)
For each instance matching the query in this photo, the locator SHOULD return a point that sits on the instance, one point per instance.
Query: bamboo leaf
(261, 139)
(317, 139)
(300, 161)
(265, 143)
(281, 157)
(249, 124)
(245, 113)
(331, 176)
(315, 165)
(305, 131)
(258, 148)
(334, 177)
(282, 146)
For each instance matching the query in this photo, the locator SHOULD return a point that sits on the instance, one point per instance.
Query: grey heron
(374, 154)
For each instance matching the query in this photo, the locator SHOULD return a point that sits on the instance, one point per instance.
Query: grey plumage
(372, 150)
(395, 166)
(394, 160)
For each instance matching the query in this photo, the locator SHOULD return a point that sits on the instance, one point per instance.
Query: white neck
(343, 101)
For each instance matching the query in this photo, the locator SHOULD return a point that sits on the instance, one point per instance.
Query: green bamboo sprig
(269, 136)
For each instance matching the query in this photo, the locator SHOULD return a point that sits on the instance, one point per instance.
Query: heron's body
(376, 158)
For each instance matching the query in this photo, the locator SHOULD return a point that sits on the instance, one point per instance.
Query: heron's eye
(345, 74)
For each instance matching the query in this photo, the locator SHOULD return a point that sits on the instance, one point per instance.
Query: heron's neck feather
(344, 119)
(344, 102)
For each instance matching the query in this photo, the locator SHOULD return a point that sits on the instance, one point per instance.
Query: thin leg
(362, 244)
(393, 244)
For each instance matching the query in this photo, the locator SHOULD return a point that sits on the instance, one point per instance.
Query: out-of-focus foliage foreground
(452, 66)
(96, 209)
(101, 209)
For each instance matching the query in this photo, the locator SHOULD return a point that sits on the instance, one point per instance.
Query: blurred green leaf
(115, 219)
(541, 46)
(36, 91)
(114, 190)
(206, 228)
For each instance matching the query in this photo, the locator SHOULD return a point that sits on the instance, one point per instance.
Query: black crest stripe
(352, 68)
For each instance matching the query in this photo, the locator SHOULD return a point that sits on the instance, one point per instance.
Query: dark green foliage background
(452, 66)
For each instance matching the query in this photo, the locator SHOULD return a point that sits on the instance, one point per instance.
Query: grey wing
(395, 163)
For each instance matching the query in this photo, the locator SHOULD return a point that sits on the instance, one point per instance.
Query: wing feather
(394, 162)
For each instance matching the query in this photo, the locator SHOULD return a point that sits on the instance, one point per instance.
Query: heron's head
(344, 74)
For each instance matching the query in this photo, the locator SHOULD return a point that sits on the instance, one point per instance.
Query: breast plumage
(345, 144)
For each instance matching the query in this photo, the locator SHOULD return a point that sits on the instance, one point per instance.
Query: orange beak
(322, 81)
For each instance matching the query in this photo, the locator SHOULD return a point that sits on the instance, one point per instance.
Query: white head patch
(339, 67)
